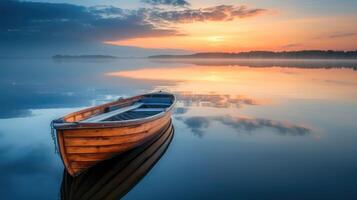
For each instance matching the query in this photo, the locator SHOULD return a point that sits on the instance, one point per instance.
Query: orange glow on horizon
(268, 33)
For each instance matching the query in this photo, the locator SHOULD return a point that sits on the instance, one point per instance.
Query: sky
(178, 25)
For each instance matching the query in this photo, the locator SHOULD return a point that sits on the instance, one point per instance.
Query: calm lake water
(243, 129)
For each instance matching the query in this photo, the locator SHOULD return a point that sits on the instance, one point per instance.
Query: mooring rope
(54, 137)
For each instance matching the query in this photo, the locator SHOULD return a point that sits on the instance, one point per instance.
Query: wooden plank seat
(133, 115)
(148, 100)
(155, 105)
(104, 116)
(149, 110)
(132, 112)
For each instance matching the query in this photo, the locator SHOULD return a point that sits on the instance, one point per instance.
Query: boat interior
(149, 105)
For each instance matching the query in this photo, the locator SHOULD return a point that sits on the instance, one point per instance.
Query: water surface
(243, 129)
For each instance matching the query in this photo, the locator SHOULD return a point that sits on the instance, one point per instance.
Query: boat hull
(113, 178)
(82, 148)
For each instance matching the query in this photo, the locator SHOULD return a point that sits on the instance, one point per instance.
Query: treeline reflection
(286, 63)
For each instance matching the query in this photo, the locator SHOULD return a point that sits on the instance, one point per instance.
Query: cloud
(30, 165)
(56, 22)
(197, 125)
(251, 124)
(178, 111)
(342, 35)
(167, 2)
(215, 13)
(30, 162)
(292, 45)
(217, 100)
(9, 113)
(24, 22)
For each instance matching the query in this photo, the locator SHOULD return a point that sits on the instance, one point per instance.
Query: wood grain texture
(113, 178)
(81, 148)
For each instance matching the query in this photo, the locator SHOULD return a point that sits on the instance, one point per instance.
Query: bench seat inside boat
(104, 116)
(145, 107)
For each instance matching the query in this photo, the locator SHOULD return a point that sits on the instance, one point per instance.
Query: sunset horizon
(178, 99)
(178, 25)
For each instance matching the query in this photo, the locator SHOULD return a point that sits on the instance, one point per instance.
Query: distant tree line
(82, 56)
(305, 54)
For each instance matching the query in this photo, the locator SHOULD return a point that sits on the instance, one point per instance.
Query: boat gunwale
(112, 124)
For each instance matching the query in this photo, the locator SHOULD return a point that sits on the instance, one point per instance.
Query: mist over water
(251, 129)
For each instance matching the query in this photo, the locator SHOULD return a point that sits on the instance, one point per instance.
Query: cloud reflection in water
(23, 167)
(216, 100)
(197, 124)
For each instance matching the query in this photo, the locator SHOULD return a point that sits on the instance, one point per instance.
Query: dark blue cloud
(214, 13)
(34, 22)
(167, 2)
(55, 22)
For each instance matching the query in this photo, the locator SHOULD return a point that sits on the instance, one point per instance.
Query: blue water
(266, 130)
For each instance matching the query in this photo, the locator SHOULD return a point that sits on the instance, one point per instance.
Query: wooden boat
(92, 135)
(113, 178)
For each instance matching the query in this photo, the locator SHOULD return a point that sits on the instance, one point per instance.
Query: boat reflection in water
(113, 178)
